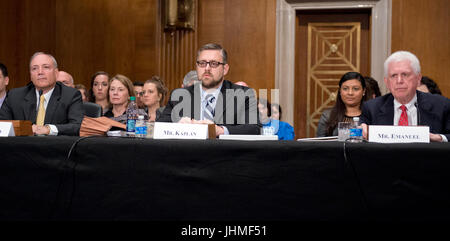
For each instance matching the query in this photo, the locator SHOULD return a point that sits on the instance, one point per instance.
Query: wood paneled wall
(27, 27)
(126, 36)
(246, 29)
(423, 27)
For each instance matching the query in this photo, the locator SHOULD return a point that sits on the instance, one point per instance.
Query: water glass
(150, 128)
(343, 131)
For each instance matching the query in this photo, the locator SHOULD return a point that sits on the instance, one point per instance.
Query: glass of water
(343, 131)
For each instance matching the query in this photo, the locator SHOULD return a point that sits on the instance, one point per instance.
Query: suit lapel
(386, 115)
(221, 105)
(424, 113)
(29, 105)
(52, 104)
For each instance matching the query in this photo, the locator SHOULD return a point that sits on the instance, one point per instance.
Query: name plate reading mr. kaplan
(6, 129)
(399, 134)
(165, 130)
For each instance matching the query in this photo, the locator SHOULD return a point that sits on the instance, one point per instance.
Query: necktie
(208, 112)
(41, 112)
(403, 121)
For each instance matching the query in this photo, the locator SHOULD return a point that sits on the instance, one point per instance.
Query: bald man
(65, 78)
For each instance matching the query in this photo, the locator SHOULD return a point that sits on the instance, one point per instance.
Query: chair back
(92, 110)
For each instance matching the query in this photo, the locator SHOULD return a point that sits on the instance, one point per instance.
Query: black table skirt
(100, 178)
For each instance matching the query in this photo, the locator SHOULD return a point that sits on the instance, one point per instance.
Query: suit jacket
(433, 111)
(237, 118)
(64, 110)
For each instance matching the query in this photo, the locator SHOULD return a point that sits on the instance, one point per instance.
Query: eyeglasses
(212, 64)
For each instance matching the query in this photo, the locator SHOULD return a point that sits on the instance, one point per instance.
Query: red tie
(403, 117)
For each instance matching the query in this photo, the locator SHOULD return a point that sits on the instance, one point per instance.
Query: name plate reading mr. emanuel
(399, 134)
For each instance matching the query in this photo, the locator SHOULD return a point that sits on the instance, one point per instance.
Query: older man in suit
(405, 105)
(231, 107)
(52, 107)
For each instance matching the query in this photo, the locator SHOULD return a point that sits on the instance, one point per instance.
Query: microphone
(418, 112)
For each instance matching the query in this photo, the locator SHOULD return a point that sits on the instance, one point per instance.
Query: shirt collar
(214, 92)
(46, 95)
(409, 105)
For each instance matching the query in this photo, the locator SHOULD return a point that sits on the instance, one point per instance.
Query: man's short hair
(213, 46)
(49, 55)
(400, 56)
(4, 70)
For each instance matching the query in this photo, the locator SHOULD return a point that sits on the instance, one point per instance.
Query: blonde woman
(120, 90)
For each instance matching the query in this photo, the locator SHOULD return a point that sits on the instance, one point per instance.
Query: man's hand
(185, 120)
(435, 137)
(40, 130)
(365, 130)
(219, 129)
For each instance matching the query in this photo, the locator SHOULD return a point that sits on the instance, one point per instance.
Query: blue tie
(208, 112)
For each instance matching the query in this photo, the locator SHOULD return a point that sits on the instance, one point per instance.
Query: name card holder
(6, 129)
(21, 127)
(398, 134)
(167, 130)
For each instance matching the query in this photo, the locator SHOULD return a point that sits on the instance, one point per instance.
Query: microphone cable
(357, 179)
(65, 170)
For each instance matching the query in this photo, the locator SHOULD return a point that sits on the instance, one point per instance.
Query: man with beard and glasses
(214, 100)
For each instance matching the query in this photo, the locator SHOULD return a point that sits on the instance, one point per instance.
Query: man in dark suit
(52, 107)
(213, 100)
(405, 105)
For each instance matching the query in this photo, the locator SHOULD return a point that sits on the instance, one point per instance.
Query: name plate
(6, 129)
(399, 134)
(167, 130)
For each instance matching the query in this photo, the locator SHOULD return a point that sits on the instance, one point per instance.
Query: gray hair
(49, 55)
(401, 56)
(213, 46)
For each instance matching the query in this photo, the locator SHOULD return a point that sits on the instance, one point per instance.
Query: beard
(209, 82)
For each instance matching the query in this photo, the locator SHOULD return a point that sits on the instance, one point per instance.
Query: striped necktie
(41, 112)
(208, 112)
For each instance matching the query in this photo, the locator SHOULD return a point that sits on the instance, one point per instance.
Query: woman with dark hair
(372, 88)
(154, 96)
(99, 90)
(352, 87)
(428, 85)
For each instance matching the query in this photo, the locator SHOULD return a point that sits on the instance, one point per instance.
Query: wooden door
(328, 44)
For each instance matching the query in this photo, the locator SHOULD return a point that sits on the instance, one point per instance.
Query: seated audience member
(138, 86)
(350, 97)
(428, 85)
(4, 81)
(65, 78)
(372, 89)
(52, 107)
(99, 90)
(405, 105)
(190, 78)
(120, 90)
(154, 96)
(215, 100)
(83, 92)
(283, 130)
